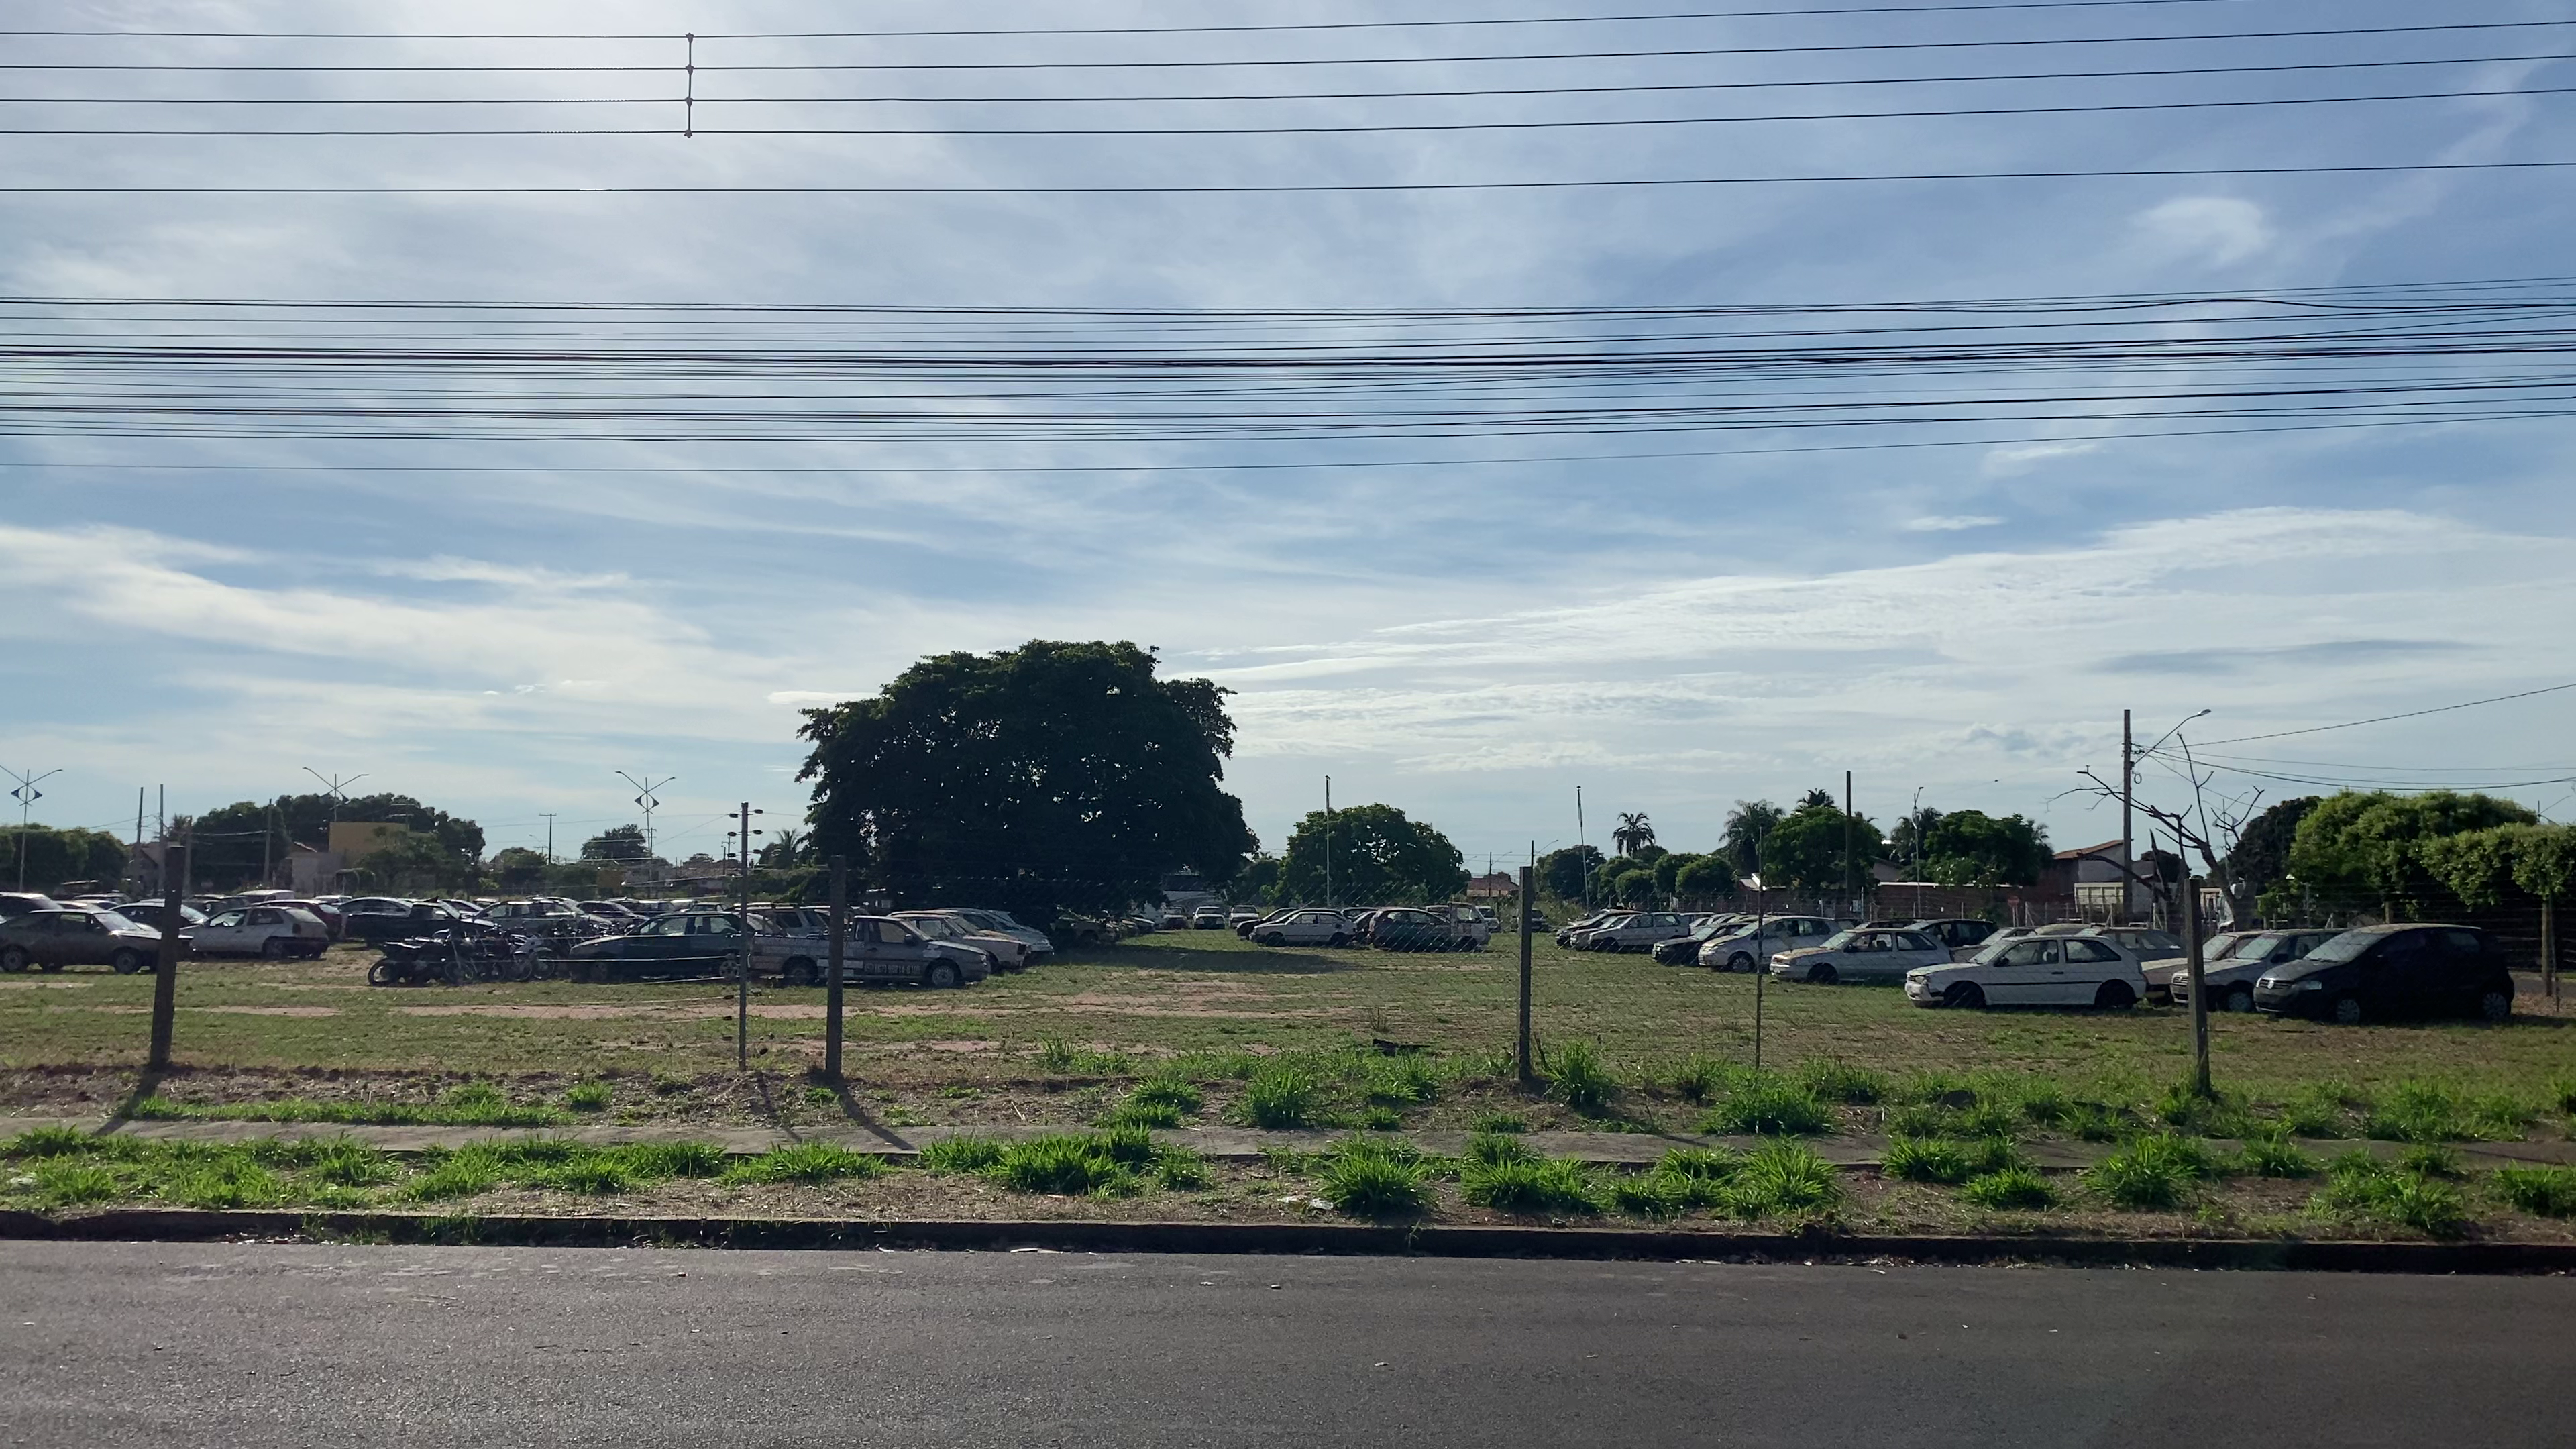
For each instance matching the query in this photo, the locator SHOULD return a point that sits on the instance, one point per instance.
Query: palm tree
(1747, 826)
(1634, 833)
(1819, 798)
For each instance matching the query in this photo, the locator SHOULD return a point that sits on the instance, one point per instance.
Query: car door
(901, 953)
(2397, 979)
(2084, 967)
(2458, 974)
(2027, 974)
(1907, 950)
(223, 935)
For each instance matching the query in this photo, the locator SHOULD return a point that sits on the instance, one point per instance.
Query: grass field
(1053, 1043)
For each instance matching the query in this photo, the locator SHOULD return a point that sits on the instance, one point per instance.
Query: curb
(148, 1225)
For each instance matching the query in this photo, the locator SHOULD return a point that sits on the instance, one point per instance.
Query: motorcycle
(467, 951)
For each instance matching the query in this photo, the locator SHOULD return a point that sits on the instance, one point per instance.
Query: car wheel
(1966, 996)
(2495, 1006)
(127, 962)
(1274, 939)
(1338, 942)
(2240, 999)
(942, 976)
(2347, 1011)
(2115, 996)
(1739, 962)
(1823, 976)
(799, 972)
(273, 949)
(13, 959)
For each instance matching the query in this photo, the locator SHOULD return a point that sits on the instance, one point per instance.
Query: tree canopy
(1379, 857)
(52, 857)
(2260, 859)
(1747, 826)
(231, 842)
(1052, 777)
(1972, 848)
(2370, 850)
(1805, 851)
(1563, 872)
(617, 845)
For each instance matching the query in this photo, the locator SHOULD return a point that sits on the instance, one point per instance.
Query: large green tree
(2367, 851)
(1053, 777)
(1379, 857)
(1705, 881)
(47, 858)
(617, 845)
(1747, 826)
(231, 842)
(1972, 848)
(2260, 859)
(1805, 851)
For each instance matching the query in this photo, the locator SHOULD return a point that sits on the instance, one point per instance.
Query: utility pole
(2199, 988)
(550, 837)
(742, 982)
(26, 795)
(649, 803)
(840, 953)
(1529, 903)
(1761, 967)
(1328, 842)
(2549, 945)
(165, 978)
(268, 844)
(1851, 879)
(1582, 848)
(2128, 866)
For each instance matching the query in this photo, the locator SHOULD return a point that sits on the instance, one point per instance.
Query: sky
(1469, 636)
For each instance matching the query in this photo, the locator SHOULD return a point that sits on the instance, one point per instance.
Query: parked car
(878, 951)
(275, 932)
(1860, 955)
(19, 903)
(1078, 931)
(1642, 931)
(1565, 933)
(1009, 953)
(1208, 918)
(611, 913)
(2162, 971)
(1242, 915)
(1040, 944)
(1753, 941)
(2231, 982)
(1313, 926)
(2033, 971)
(1962, 935)
(52, 940)
(1684, 950)
(2384, 972)
(685, 945)
(418, 918)
(147, 914)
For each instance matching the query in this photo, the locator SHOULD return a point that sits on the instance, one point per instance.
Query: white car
(1742, 948)
(1040, 947)
(1465, 923)
(2034, 971)
(1304, 928)
(1009, 953)
(2161, 971)
(1863, 955)
(1566, 933)
(275, 932)
(1642, 931)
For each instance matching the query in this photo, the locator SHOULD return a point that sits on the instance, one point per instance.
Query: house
(1500, 886)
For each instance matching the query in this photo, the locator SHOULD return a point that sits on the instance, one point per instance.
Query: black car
(426, 918)
(1955, 932)
(2382, 972)
(683, 946)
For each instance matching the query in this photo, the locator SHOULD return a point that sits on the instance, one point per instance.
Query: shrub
(2548, 1192)
(1772, 1107)
(1371, 1180)
(2359, 1185)
(1783, 1177)
(1581, 1080)
(1556, 1185)
(810, 1163)
(961, 1155)
(2275, 1155)
(2150, 1172)
(1842, 1082)
(2012, 1187)
(1281, 1097)
(1925, 1159)
(1493, 1148)
(594, 1096)
(1502, 1122)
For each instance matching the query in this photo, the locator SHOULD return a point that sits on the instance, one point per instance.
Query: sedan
(1009, 953)
(1207, 918)
(1304, 928)
(147, 914)
(52, 940)
(1863, 955)
(2231, 981)
(2033, 971)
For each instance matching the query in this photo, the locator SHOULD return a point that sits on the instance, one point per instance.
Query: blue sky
(1470, 641)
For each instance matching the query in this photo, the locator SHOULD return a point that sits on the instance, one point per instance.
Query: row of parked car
(1388, 928)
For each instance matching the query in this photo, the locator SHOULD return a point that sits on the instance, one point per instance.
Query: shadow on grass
(852, 1109)
(1258, 961)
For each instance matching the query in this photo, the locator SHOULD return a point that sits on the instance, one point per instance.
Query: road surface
(249, 1345)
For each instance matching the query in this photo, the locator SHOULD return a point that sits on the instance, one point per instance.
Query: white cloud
(1950, 522)
(2212, 230)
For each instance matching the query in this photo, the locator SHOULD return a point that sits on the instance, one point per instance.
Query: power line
(2387, 718)
(1364, 128)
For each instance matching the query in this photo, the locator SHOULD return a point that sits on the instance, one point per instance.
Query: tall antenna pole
(649, 803)
(1582, 848)
(2128, 868)
(550, 837)
(26, 795)
(1328, 842)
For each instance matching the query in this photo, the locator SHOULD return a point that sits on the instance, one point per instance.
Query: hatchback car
(1862, 955)
(2231, 981)
(1303, 928)
(1641, 932)
(2033, 971)
(1742, 948)
(275, 932)
(1684, 950)
(52, 940)
(2381, 972)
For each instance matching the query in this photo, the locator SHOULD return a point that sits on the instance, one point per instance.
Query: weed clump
(589, 1096)
(1282, 1097)
(1522, 1185)
(961, 1155)
(1771, 1106)
(1368, 1178)
(1841, 1082)
(809, 1163)
(2273, 1154)
(1782, 1178)
(1684, 1179)
(2359, 1185)
(2151, 1172)
(1581, 1080)
(1495, 1148)
(2419, 1111)
(2012, 1187)
(2548, 1192)
(1502, 1122)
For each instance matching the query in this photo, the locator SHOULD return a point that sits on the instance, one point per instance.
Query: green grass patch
(1578, 1077)
(596, 1096)
(1771, 1106)
(1784, 1177)
(2548, 1192)
(2322, 1110)
(1554, 1185)
(1369, 1178)
(2360, 1186)
(2010, 1188)
(1833, 1081)
(961, 1155)
(2422, 1111)
(1506, 1122)
(477, 1105)
(1283, 1097)
(1494, 1148)
(1684, 1179)
(2275, 1155)
(810, 1163)
(1059, 1058)
(2151, 1172)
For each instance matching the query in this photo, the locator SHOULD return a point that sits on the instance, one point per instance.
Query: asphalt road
(166, 1345)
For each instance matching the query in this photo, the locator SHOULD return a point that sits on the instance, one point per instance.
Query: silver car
(1745, 948)
(1862, 955)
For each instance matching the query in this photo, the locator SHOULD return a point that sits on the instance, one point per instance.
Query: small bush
(1783, 1177)
(2548, 1192)
(1553, 1186)
(1502, 1122)
(2359, 1185)
(1581, 1080)
(2275, 1155)
(1494, 1148)
(2012, 1187)
(1842, 1082)
(1772, 1107)
(810, 1163)
(595, 1096)
(2430, 1160)
(1282, 1097)
(2151, 1172)
(1066, 1166)
(1925, 1159)
(1368, 1179)
(961, 1155)
(1166, 1089)
(66, 1182)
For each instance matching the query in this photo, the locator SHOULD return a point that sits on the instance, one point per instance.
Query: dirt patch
(265, 1010)
(46, 985)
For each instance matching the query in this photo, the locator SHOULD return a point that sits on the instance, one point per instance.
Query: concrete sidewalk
(1217, 1143)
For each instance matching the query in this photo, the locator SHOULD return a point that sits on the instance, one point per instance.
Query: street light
(26, 795)
(648, 802)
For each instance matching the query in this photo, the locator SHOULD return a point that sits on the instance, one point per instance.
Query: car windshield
(2254, 948)
(1840, 939)
(2346, 947)
(118, 921)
